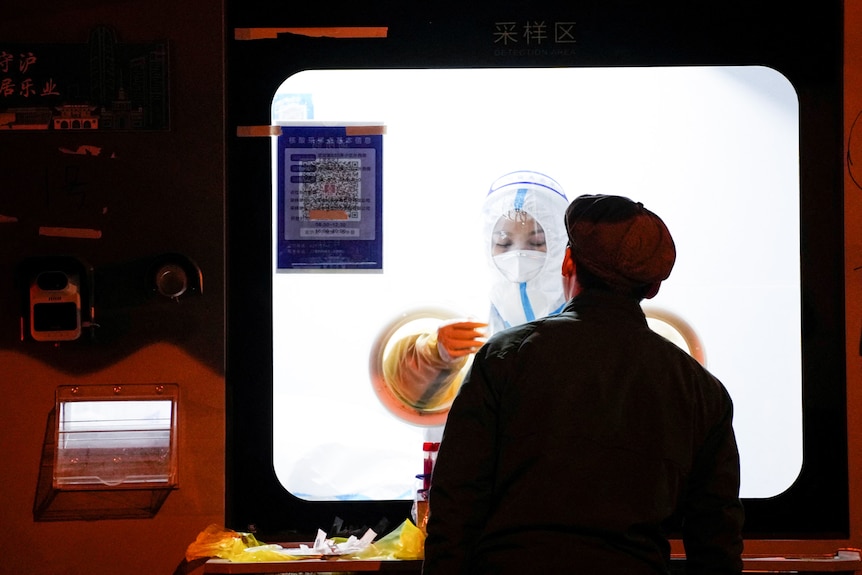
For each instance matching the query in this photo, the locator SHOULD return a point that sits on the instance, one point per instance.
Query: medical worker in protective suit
(525, 239)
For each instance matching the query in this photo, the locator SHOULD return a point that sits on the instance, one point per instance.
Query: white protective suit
(542, 198)
(414, 368)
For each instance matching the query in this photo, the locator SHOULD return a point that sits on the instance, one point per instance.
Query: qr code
(331, 189)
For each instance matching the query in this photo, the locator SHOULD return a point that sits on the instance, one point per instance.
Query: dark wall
(133, 196)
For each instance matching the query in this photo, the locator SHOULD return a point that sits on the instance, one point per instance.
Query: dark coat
(577, 444)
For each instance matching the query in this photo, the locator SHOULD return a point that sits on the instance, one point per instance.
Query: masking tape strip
(331, 32)
(86, 233)
(365, 130)
(257, 131)
(260, 131)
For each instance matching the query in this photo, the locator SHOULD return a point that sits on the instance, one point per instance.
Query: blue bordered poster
(330, 197)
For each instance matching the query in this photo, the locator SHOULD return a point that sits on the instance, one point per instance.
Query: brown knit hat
(619, 240)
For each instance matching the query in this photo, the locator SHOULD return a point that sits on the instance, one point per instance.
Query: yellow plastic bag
(216, 541)
(404, 542)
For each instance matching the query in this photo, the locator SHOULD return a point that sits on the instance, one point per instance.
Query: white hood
(542, 198)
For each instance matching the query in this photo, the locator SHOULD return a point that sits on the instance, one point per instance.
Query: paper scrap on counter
(324, 546)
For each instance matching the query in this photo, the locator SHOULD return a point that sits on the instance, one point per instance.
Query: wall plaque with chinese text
(101, 84)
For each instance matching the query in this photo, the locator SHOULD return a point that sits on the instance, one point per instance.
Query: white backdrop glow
(714, 151)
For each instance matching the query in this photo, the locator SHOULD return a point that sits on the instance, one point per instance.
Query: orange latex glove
(460, 338)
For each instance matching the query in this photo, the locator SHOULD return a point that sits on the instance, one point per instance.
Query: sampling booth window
(736, 144)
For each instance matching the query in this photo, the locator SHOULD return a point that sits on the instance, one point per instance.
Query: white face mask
(520, 265)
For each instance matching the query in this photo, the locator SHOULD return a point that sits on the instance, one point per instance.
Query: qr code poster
(329, 197)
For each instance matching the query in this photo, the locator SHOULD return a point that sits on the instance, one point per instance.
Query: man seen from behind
(580, 442)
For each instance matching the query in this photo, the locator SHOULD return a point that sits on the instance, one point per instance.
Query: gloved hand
(460, 338)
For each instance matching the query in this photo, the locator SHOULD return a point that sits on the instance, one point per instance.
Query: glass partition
(713, 150)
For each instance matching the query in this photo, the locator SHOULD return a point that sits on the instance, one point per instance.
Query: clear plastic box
(110, 452)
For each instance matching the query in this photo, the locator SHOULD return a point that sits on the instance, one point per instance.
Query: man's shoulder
(513, 337)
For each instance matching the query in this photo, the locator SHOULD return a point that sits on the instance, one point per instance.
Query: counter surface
(848, 562)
